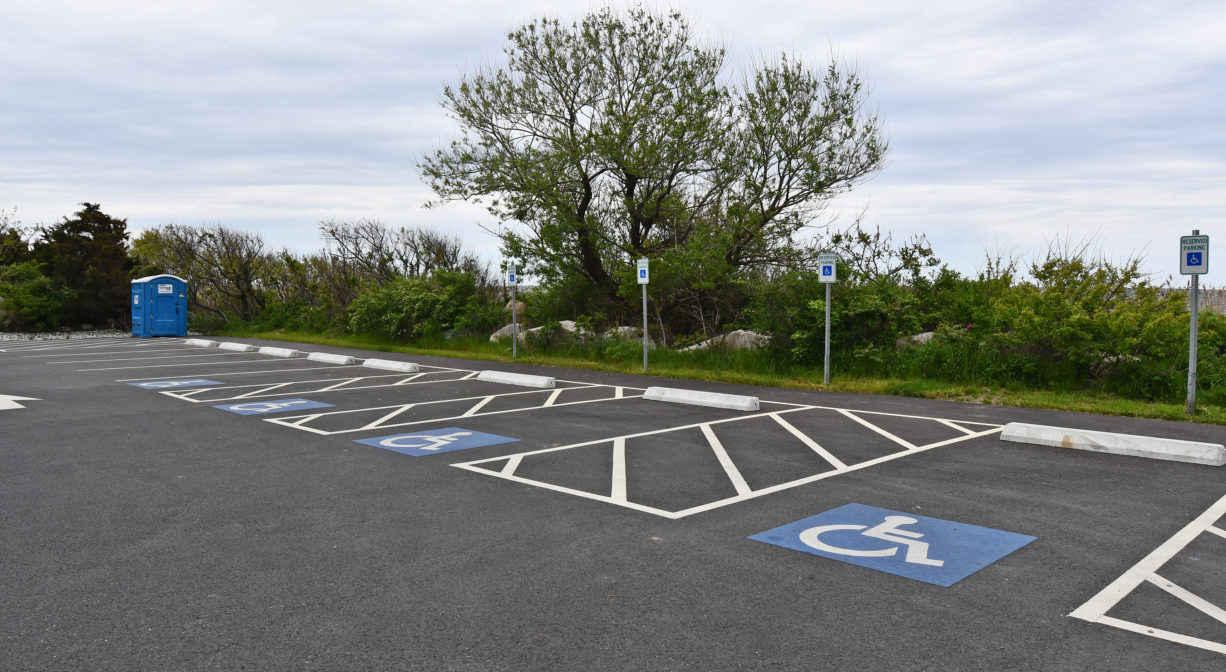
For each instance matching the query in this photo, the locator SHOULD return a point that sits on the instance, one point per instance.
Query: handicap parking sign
(174, 384)
(431, 441)
(935, 551)
(274, 406)
(1194, 259)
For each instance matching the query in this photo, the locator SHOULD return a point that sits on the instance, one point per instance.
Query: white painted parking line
(317, 386)
(261, 360)
(905, 444)
(122, 351)
(506, 466)
(1096, 608)
(304, 422)
(721, 453)
(186, 355)
(813, 445)
(213, 374)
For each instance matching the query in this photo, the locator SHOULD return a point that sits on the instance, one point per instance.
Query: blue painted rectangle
(272, 406)
(432, 441)
(174, 384)
(935, 551)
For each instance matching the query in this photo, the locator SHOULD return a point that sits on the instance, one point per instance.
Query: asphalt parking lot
(166, 506)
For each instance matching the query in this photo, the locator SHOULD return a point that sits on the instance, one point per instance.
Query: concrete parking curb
(521, 379)
(200, 343)
(237, 347)
(279, 352)
(1192, 452)
(389, 365)
(733, 402)
(330, 358)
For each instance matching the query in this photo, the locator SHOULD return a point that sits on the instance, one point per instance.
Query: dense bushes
(407, 309)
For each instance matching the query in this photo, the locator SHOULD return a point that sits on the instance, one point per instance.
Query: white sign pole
(826, 377)
(513, 279)
(827, 264)
(1194, 329)
(643, 278)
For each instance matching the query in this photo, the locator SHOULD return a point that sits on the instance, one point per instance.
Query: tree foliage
(618, 136)
(88, 256)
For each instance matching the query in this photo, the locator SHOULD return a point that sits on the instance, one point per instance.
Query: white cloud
(1012, 122)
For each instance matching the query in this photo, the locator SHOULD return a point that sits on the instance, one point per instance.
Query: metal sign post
(643, 278)
(513, 280)
(828, 264)
(1193, 261)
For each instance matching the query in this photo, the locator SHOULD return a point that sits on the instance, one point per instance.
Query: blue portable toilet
(159, 306)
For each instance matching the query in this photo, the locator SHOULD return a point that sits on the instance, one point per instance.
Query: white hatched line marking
(902, 442)
(1216, 530)
(960, 428)
(734, 474)
(188, 395)
(338, 385)
(552, 398)
(474, 466)
(1201, 604)
(508, 470)
(478, 406)
(389, 416)
(1097, 607)
(299, 423)
(252, 393)
(222, 374)
(411, 378)
(1162, 634)
(827, 474)
(813, 445)
(471, 466)
(618, 490)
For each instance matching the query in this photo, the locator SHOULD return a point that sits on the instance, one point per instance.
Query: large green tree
(87, 255)
(620, 135)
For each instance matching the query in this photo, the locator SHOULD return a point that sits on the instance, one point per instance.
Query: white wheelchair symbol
(422, 441)
(917, 551)
(266, 406)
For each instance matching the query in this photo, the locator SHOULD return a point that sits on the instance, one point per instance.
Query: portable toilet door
(138, 309)
(164, 298)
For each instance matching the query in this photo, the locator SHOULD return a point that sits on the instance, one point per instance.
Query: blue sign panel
(926, 549)
(827, 270)
(1194, 259)
(174, 384)
(274, 406)
(433, 441)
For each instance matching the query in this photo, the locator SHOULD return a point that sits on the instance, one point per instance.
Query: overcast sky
(1012, 123)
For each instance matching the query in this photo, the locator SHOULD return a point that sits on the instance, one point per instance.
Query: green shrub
(31, 300)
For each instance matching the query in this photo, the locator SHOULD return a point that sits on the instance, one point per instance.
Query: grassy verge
(746, 368)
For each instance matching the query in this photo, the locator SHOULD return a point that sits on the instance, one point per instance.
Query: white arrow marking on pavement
(8, 401)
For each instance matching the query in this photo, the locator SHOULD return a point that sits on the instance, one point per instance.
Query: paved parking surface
(174, 507)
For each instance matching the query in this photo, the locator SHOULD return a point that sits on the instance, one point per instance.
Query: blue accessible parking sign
(431, 441)
(926, 549)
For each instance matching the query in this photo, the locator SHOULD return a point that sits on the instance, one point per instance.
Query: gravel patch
(61, 335)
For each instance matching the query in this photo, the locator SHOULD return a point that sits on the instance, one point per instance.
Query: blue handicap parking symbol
(274, 406)
(1193, 259)
(174, 384)
(431, 441)
(926, 549)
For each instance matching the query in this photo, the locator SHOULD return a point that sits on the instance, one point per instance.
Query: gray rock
(741, 339)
